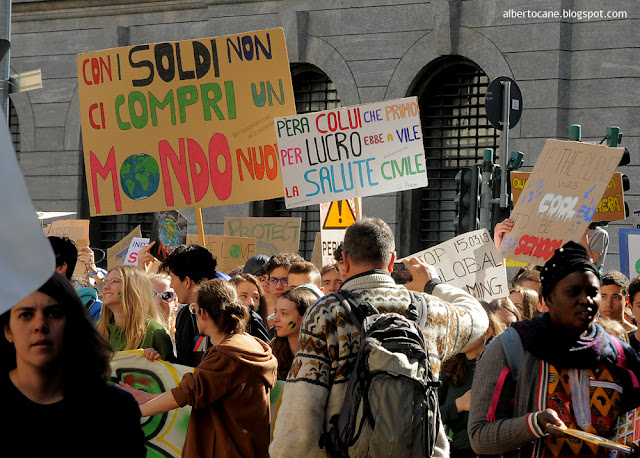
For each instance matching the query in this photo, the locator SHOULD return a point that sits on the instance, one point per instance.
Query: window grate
(313, 91)
(456, 130)
(14, 127)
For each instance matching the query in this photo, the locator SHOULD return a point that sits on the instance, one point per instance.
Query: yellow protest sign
(184, 124)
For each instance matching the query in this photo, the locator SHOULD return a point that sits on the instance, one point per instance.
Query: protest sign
(230, 252)
(559, 199)
(471, 262)
(134, 248)
(354, 151)
(629, 242)
(26, 256)
(611, 207)
(316, 254)
(118, 252)
(164, 433)
(183, 124)
(273, 235)
(169, 231)
(75, 229)
(335, 217)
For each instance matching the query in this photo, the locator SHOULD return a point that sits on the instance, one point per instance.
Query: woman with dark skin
(573, 374)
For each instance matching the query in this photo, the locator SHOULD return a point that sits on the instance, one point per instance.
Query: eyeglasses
(274, 281)
(166, 296)
(113, 281)
(192, 309)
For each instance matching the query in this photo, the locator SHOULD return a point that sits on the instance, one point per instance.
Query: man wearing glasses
(277, 270)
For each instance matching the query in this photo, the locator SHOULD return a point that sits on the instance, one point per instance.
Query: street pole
(5, 33)
(504, 142)
(486, 194)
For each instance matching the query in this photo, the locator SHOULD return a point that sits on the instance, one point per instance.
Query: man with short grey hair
(329, 341)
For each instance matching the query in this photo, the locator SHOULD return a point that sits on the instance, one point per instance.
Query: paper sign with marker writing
(355, 151)
(118, 252)
(335, 217)
(134, 248)
(611, 207)
(560, 199)
(273, 235)
(183, 124)
(471, 262)
(164, 433)
(230, 252)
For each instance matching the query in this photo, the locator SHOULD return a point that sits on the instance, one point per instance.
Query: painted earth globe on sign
(139, 176)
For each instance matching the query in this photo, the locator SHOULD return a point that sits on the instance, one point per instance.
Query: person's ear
(62, 269)
(7, 333)
(346, 262)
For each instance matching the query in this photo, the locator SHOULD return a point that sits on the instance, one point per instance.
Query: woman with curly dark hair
(54, 362)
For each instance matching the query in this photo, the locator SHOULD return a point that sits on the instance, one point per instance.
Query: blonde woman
(129, 313)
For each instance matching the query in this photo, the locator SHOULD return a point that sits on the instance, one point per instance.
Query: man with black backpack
(363, 380)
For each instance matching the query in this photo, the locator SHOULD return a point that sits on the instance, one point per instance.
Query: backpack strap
(513, 350)
(418, 309)
(356, 310)
(621, 360)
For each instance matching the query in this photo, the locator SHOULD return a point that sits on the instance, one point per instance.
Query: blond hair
(138, 306)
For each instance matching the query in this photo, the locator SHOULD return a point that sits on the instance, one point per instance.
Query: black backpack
(391, 390)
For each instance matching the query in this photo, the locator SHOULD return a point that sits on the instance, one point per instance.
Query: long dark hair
(280, 345)
(85, 353)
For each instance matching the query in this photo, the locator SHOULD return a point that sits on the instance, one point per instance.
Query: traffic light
(614, 138)
(499, 214)
(467, 200)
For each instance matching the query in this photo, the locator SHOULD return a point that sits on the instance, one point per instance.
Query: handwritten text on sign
(560, 199)
(611, 207)
(471, 262)
(183, 124)
(351, 152)
(230, 252)
(273, 235)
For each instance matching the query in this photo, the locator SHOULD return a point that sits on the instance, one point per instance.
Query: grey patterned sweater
(328, 348)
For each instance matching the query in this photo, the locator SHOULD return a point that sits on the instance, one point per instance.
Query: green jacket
(156, 337)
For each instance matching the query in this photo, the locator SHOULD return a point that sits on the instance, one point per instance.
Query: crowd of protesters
(276, 320)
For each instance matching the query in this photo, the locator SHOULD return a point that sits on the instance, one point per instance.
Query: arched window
(455, 130)
(313, 91)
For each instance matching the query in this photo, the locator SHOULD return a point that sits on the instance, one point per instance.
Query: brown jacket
(228, 392)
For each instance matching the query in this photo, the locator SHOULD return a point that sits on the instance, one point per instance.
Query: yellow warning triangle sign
(339, 216)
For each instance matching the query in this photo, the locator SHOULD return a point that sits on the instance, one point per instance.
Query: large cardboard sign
(611, 207)
(26, 256)
(354, 151)
(183, 124)
(273, 235)
(560, 199)
(75, 229)
(164, 433)
(629, 241)
(471, 262)
(230, 252)
(118, 252)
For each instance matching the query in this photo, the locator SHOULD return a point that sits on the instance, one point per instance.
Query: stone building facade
(570, 69)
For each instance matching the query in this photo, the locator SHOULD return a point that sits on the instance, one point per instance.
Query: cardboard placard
(169, 231)
(118, 252)
(354, 151)
(273, 235)
(184, 124)
(335, 217)
(75, 229)
(164, 433)
(560, 199)
(134, 248)
(230, 252)
(316, 254)
(611, 207)
(471, 262)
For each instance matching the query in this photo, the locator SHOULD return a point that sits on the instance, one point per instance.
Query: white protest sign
(335, 218)
(471, 262)
(134, 248)
(26, 257)
(164, 433)
(348, 152)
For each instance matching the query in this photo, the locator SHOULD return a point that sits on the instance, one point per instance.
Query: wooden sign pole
(200, 225)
